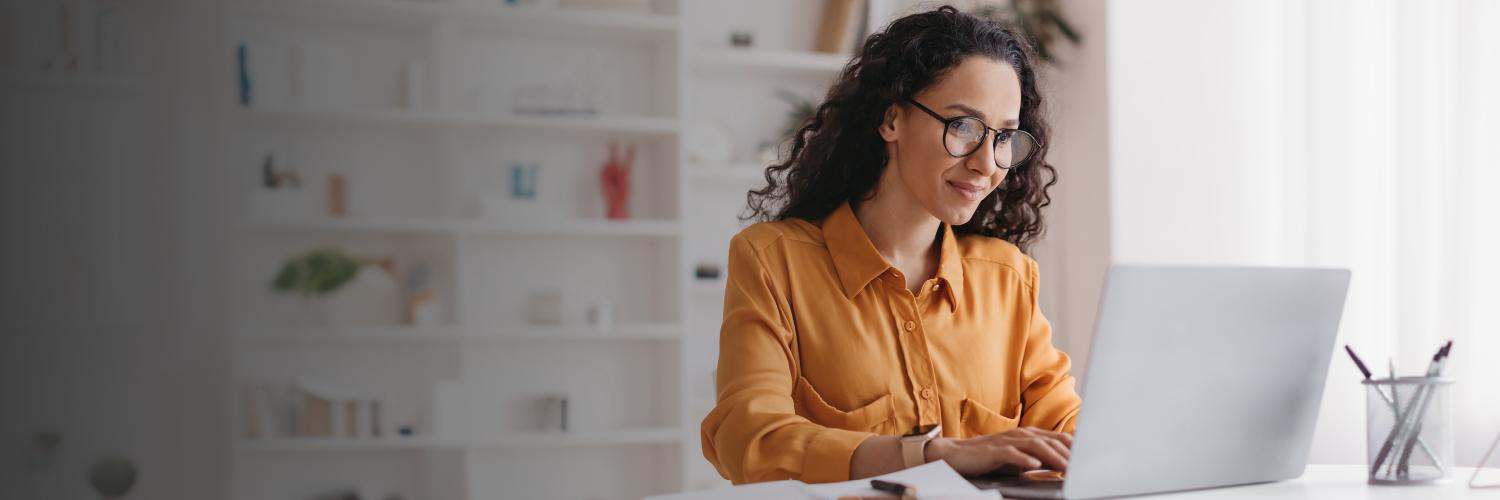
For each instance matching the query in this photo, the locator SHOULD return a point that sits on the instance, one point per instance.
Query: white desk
(1345, 481)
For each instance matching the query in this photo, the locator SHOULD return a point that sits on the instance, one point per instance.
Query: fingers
(1055, 446)
(1013, 456)
(1045, 449)
(1052, 449)
(1065, 438)
(1059, 441)
(1021, 448)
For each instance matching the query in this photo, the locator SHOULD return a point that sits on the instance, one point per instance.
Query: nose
(982, 162)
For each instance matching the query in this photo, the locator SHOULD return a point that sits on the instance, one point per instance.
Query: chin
(955, 216)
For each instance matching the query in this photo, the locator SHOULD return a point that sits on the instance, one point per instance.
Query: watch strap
(913, 451)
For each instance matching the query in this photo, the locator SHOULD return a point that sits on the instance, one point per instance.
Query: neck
(901, 230)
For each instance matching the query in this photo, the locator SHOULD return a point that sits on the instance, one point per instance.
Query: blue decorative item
(242, 55)
(523, 181)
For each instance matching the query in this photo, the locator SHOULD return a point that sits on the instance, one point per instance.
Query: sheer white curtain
(1350, 133)
(1391, 141)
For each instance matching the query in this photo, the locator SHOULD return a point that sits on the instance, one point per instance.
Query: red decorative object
(614, 177)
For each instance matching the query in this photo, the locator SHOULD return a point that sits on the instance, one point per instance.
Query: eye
(964, 127)
(1004, 136)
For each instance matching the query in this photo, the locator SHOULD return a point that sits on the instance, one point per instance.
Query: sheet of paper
(934, 480)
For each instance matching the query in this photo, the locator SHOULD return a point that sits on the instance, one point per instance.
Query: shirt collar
(951, 268)
(858, 263)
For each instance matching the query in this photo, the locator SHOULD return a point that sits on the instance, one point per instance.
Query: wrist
(937, 449)
(914, 444)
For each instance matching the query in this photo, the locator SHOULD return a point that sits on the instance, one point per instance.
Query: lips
(971, 192)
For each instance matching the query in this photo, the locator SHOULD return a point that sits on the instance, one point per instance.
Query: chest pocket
(871, 417)
(978, 420)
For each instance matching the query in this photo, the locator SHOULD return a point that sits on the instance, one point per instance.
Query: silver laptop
(1199, 377)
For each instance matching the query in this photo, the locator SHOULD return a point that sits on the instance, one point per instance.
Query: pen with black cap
(895, 488)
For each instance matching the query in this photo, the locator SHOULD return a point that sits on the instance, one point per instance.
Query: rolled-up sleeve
(754, 432)
(1049, 399)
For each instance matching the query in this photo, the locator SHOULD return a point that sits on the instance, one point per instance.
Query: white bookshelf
(622, 380)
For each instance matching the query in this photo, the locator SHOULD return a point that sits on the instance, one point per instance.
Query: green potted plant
(315, 274)
(1040, 21)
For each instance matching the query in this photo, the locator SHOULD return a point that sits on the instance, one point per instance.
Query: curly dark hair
(838, 154)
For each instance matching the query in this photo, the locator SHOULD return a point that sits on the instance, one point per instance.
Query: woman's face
(947, 187)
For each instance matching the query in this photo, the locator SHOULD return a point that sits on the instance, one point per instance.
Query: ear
(888, 123)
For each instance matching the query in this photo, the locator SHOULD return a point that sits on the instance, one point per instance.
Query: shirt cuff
(827, 457)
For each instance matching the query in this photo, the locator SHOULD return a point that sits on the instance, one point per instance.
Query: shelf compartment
(639, 125)
(783, 61)
(621, 437)
(551, 23)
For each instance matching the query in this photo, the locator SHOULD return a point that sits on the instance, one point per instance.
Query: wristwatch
(914, 444)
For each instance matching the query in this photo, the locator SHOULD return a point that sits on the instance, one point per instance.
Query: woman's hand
(1015, 450)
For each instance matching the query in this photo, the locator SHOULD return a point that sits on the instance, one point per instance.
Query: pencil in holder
(1409, 430)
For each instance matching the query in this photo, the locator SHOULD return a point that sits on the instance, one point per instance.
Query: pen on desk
(897, 489)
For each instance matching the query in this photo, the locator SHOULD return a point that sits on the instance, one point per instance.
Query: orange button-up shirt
(823, 346)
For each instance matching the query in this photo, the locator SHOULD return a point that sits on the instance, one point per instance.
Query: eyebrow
(980, 114)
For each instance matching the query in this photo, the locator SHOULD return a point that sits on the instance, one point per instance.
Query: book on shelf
(324, 412)
(840, 26)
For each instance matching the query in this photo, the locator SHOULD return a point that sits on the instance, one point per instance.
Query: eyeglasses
(963, 135)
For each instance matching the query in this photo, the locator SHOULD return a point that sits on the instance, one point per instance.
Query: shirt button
(927, 393)
(911, 325)
(937, 286)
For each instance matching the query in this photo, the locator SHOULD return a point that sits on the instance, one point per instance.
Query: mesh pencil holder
(1409, 430)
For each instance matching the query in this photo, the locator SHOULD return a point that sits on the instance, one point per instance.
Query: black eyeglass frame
(948, 123)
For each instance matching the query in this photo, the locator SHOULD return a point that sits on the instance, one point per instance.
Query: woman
(885, 315)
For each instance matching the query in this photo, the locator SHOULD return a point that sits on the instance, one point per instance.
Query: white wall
(1192, 110)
